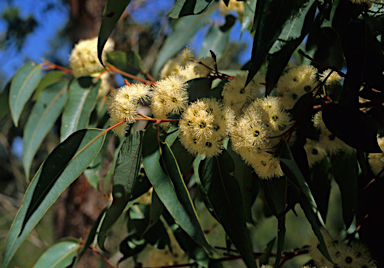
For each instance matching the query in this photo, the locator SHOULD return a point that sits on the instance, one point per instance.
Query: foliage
(222, 142)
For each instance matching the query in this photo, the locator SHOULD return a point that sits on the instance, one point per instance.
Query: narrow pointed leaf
(111, 15)
(165, 190)
(129, 62)
(183, 31)
(280, 239)
(275, 192)
(4, 100)
(345, 171)
(155, 212)
(23, 84)
(48, 79)
(43, 116)
(81, 101)
(66, 162)
(188, 7)
(124, 182)
(59, 256)
(223, 192)
(249, 14)
(270, 18)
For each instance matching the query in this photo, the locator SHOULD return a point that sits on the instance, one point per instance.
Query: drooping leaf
(66, 162)
(267, 252)
(59, 255)
(302, 111)
(165, 190)
(111, 15)
(325, 8)
(124, 182)
(224, 194)
(130, 248)
(42, 118)
(23, 84)
(321, 185)
(155, 212)
(48, 79)
(129, 62)
(4, 100)
(188, 7)
(270, 18)
(217, 38)
(91, 236)
(293, 34)
(184, 159)
(81, 101)
(93, 172)
(345, 171)
(307, 203)
(199, 88)
(249, 14)
(352, 126)
(183, 30)
(275, 193)
(280, 239)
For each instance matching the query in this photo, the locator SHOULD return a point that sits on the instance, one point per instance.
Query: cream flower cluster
(203, 127)
(254, 135)
(328, 140)
(123, 104)
(376, 160)
(237, 96)
(342, 254)
(83, 58)
(315, 152)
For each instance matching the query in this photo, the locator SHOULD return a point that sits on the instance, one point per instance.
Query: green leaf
(224, 194)
(23, 84)
(183, 31)
(111, 15)
(217, 38)
(81, 101)
(275, 193)
(4, 100)
(42, 118)
(246, 182)
(91, 236)
(66, 162)
(129, 62)
(155, 212)
(48, 79)
(184, 159)
(264, 258)
(352, 126)
(291, 37)
(293, 173)
(59, 256)
(321, 185)
(280, 239)
(199, 88)
(188, 7)
(124, 182)
(129, 248)
(93, 172)
(270, 18)
(345, 171)
(164, 188)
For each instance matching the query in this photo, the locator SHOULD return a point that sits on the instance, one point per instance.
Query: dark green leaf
(81, 101)
(345, 172)
(325, 7)
(66, 162)
(91, 236)
(188, 7)
(291, 37)
(224, 194)
(184, 159)
(264, 258)
(199, 88)
(59, 256)
(352, 126)
(155, 212)
(270, 17)
(129, 62)
(4, 100)
(183, 30)
(93, 172)
(42, 118)
(321, 185)
(130, 248)
(249, 14)
(111, 15)
(164, 188)
(48, 79)
(23, 84)
(280, 239)
(292, 171)
(275, 193)
(124, 182)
